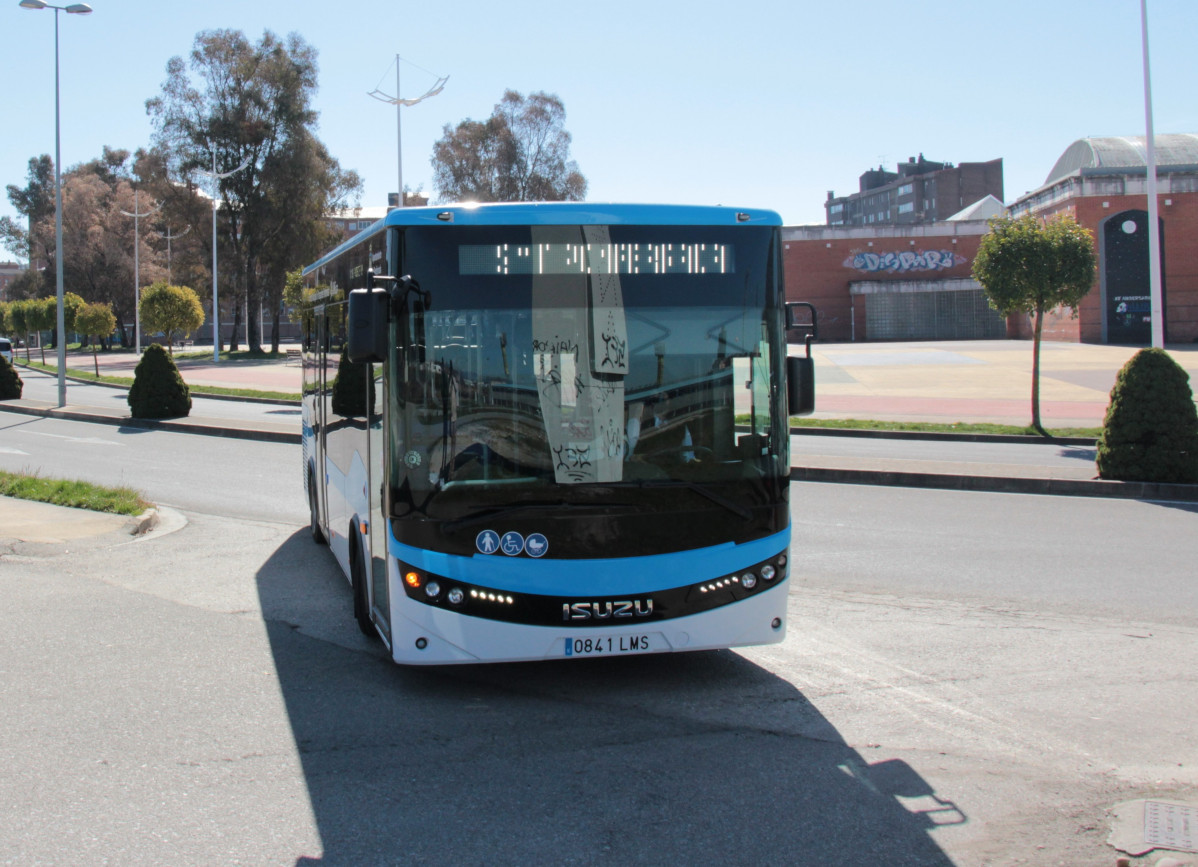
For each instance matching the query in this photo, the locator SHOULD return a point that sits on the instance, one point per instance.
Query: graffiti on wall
(908, 260)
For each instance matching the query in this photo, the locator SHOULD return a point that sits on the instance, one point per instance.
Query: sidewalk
(967, 382)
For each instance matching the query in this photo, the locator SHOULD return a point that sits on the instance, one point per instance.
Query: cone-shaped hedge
(158, 390)
(10, 383)
(1151, 429)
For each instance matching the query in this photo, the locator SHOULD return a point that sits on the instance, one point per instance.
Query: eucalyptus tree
(521, 153)
(244, 110)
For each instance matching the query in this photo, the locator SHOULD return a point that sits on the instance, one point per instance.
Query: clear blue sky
(764, 104)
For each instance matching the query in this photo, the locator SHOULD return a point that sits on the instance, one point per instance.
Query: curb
(144, 523)
(1002, 484)
(273, 436)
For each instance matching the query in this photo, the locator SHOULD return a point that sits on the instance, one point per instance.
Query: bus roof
(579, 214)
(563, 214)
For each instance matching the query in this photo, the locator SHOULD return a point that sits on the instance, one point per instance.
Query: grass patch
(127, 382)
(939, 427)
(78, 495)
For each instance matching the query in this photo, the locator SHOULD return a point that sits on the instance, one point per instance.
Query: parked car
(6, 349)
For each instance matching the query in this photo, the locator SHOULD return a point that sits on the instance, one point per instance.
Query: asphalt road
(967, 679)
(214, 475)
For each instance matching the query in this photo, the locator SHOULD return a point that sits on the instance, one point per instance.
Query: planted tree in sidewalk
(18, 319)
(1029, 266)
(158, 390)
(10, 382)
(173, 310)
(1150, 433)
(96, 321)
(40, 315)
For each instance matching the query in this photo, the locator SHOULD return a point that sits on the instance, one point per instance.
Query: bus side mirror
(800, 371)
(367, 337)
(800, 385)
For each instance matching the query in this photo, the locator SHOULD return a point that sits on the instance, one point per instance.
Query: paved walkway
(973, 381)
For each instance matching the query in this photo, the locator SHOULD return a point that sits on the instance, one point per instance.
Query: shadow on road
(698, 758)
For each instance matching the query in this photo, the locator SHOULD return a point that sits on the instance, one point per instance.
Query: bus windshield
(552, 362)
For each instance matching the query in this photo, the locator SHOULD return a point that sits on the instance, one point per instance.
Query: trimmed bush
(10, 382)
(1151, 429)
(158, 390)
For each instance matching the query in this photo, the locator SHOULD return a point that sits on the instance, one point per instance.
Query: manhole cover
(1171, 826)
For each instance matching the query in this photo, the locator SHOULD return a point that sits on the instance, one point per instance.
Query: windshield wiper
(702, 490)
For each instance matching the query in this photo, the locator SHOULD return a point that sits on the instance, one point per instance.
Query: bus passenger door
(320, 417)
(380, 597)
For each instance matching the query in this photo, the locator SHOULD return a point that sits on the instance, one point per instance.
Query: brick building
(1102, 183)
(891, 282)
(902, 279)
(9, 271)
(918, 191)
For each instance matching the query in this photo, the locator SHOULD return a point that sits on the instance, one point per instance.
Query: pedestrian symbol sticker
(512, 543)
(487, 542)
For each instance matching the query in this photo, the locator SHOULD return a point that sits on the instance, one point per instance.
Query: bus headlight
(433, 589)
(748, 581)
(768, 572)
(456, 596)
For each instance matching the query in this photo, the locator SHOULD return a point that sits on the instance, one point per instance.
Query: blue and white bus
(554, 430)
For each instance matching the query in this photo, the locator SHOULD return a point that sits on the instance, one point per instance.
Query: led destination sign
(549, 259)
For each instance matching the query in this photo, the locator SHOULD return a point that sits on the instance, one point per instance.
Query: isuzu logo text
(615, 610)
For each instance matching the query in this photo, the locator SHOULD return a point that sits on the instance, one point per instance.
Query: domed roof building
(1102, 182)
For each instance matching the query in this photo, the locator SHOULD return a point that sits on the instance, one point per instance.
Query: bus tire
(358, 580)
(313, 518)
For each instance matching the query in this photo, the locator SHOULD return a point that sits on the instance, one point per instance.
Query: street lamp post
(137, 215)
(73, 9)
(437, 87)
(1156, 303)
(216, 179)
(169, 237)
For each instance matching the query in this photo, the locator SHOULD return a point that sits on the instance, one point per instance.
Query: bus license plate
(612, 645)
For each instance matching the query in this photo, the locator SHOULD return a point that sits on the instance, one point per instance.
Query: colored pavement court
(972, 381)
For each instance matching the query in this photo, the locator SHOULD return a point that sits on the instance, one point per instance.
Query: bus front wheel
(313, 518)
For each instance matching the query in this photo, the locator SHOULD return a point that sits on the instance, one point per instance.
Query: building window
(906, 207)
(906, 189)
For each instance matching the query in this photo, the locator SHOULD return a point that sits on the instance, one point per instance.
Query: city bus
(554, 430)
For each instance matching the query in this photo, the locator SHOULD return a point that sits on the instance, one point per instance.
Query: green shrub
(10, 382)
(1151, 429)
(158, 390)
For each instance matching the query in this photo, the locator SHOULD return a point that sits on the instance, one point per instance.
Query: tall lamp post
(1156, 303)
(73, 9)
(169, 237)
(437, 87)
(216, 179)
(137, 215)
